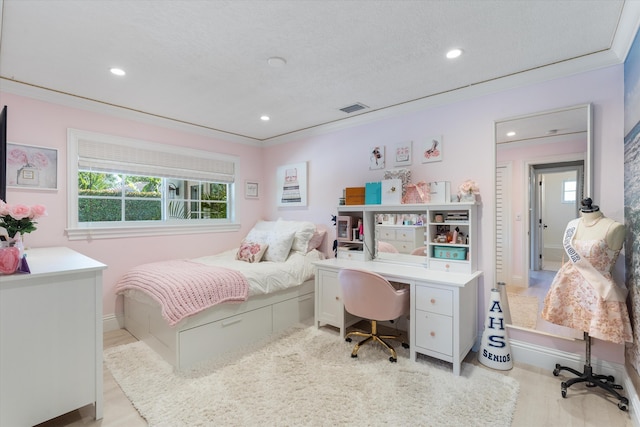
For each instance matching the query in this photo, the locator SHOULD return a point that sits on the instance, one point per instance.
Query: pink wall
(337, 160)
(341, 159)
(44, 124)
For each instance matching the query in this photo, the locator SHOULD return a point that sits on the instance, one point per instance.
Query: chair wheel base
(592, 380)
(354, 355)
(393, 360)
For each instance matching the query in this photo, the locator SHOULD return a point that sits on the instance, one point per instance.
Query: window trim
(565, 191)
(78, 231)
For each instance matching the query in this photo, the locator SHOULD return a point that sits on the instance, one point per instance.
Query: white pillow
(258, 236)
(303, 233)
(279, 246)
(278, 242)
(264, 225)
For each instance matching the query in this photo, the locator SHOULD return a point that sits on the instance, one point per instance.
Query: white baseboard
(112, 322)
(546, 358)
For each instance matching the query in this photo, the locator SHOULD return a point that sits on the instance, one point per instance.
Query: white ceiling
(203, 64)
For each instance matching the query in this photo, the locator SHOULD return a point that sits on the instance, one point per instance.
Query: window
(122, 187)
(569, 191)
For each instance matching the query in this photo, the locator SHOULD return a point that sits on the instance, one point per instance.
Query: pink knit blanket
(184, 288)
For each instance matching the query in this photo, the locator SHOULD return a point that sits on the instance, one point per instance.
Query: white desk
(444, 306)
(50, 337)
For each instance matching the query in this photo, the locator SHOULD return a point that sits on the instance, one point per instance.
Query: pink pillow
(316, 239)
(251, 252)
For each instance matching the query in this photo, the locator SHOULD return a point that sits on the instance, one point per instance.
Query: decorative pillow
(258, 236)
(264, 225)
(316, 240)
(279, 246)
(251, 251)
(303, 233)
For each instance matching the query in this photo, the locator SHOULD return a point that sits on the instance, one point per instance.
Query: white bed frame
(221, 329)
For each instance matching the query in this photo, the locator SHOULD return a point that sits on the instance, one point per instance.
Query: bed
(275, 259)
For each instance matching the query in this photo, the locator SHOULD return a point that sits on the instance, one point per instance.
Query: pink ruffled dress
(574, 303)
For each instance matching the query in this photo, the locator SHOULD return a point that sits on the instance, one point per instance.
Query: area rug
(307, 378)
(524, 310)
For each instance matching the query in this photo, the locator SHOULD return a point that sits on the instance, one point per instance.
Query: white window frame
(565, 191)
(81, 231)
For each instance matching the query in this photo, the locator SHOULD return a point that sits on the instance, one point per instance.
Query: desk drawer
(353, 255)
(434, 300)
(407, 234)
(434, 332)
(386, 233)
(403, 247)
(450, 266)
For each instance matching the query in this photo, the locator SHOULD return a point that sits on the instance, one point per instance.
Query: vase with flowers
(467, 191)
(17, 220)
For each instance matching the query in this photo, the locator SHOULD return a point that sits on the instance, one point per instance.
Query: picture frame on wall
(291, 182)
(251, 190)
(376, 157)
(32, 167)
(403, 154)
(432, 149)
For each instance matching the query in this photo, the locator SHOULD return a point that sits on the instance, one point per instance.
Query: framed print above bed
(291, 183)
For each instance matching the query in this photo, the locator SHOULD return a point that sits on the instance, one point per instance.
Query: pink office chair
(419, 251)
(386, 247)
(371, 296)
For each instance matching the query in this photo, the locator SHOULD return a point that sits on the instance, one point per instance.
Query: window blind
(159, 161)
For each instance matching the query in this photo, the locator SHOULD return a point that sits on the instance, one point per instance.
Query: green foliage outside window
(100, 199)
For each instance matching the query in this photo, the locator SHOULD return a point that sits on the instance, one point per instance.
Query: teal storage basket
(448, 252)
(373, 193)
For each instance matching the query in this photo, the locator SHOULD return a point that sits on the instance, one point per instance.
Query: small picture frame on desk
(389, 219)
(343, 228)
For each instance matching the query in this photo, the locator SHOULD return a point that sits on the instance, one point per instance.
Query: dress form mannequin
(583, 295)
(594, 225)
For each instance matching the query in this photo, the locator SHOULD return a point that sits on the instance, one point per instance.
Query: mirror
(543, 170)
(400, 236)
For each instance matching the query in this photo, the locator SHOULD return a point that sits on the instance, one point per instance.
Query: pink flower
(19, 211)
(17, 157)
(20, 219)
(38, 211)
(9, 260)
(469, 187)
(39, 160)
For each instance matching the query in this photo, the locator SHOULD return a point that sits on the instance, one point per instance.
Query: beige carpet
(524, 310)
(307, 378)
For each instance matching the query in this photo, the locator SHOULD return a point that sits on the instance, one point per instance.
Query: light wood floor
(539, 403)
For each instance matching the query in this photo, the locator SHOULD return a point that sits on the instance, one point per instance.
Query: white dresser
(50, 337)
(405, 238)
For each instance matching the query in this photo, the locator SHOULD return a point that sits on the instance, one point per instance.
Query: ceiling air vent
(353, 108)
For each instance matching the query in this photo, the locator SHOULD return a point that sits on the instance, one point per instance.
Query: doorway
(556, 191)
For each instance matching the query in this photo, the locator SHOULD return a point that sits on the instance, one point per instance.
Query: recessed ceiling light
(265, 118)
(117, 71)
(454, 53)
(276, 61)
(510, 134)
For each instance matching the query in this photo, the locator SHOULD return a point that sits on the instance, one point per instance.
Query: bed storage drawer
(292, 311)
(217, 338)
